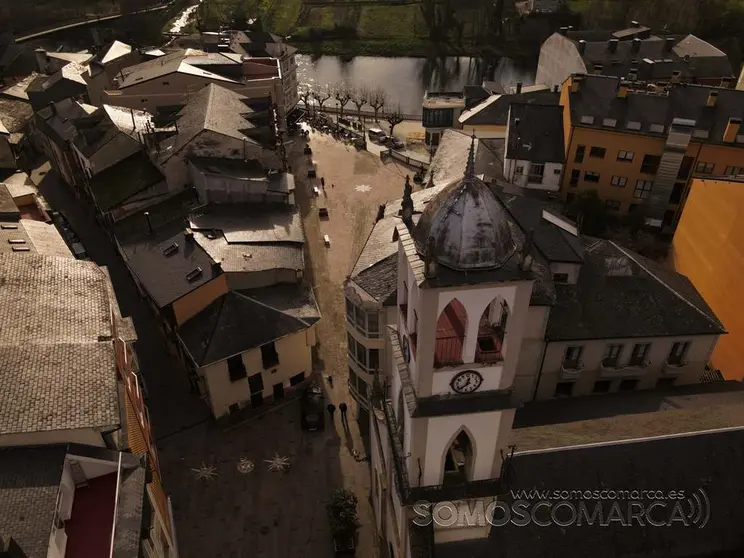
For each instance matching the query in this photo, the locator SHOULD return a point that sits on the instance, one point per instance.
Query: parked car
(312, 409)
(395, 143)
(375, 134)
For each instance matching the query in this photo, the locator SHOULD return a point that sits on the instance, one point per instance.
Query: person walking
(333, 186)
(322, 182)
(331, 409)
(342, 407)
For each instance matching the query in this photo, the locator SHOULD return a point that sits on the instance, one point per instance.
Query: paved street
(262, 513)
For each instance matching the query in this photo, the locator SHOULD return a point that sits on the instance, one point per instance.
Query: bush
(342, 512)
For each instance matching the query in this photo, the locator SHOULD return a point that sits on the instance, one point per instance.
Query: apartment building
(707, 248)
(227, 283)
(639, 145)
(615, 53)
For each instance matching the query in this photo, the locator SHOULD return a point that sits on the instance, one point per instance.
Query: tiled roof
(597, 98)
(57, 368)
(620, 294)
(29, 485)
(14, 114)
(536, 133)
(243, 320)
(125, 178)
(494, 111)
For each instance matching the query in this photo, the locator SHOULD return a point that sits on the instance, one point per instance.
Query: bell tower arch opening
(491, 331)
(459, 459)
(450, 339)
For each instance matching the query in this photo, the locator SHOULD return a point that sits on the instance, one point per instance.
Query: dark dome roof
(468, 226)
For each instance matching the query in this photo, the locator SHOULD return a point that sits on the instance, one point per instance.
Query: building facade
(639, 148)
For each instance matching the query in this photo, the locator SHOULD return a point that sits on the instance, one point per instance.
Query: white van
(375, 134)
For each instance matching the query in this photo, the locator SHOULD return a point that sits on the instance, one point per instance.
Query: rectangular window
(676, 196)
(374, 359)
(591, 176)
(639, 356)
(612, 205)
(269, 356)
(297, 379)
(626, 156)
(597, 152)
(560, 277)
(575, 175)
(580, 151)
(650, 164)
(612, 356)
(236, 368)
(602, 386)
(536, 173)
(373, 324)
(563, 389)
(732, 171)
(520, 169)
(642, 189)
(628, 385)
(619, 181)
(678, 353)
(572, 357)
(349, 311)
(255, 383)
(705, 168)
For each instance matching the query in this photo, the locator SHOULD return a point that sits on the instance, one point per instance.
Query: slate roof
(243, 320)
(14, 114)
(708, 461)
(597, 97)
(621, 295)
(164, 66)
(555, 244)
(164, 276)
(216, 109)
(19, 89)
(57, 367)
(122, 180)
(494, 111)
(29, 483)
(451, 157)
(706, 61)
(535, 133)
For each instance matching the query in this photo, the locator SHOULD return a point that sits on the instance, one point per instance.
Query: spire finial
(406, 206)
(470, 168)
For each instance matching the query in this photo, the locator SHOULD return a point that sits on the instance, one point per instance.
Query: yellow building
(639, 144)
(708, 247)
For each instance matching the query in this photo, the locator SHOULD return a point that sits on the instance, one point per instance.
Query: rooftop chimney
(622, 90)
(676, 76)
(636, 46)
(582, 46)
(519, 87)
(612, 45)
(556, 88)
(598, 69)
(635, 24)
(633, 74)
(668, 44)
(712, 98)
(732, 130)
(576, 83)
(563, 30)
(217, 266)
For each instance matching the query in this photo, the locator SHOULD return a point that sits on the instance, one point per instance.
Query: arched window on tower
(451, 327)
(458, 463)
(491, 331)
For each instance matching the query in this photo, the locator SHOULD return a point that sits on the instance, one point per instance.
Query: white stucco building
(534, 146)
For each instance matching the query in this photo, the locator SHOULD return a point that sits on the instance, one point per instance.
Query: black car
(312, 409)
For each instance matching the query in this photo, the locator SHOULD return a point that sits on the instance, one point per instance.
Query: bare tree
(377, 100)
(305, 94)
(342, 93)
(322, 95)
(394, 117)
(360, 97)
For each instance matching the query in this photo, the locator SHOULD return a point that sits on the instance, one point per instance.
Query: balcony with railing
(571, 369)
(674, 365)
(611, 367)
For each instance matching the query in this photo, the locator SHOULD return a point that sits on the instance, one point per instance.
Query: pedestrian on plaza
(343, 408)
(331, 409)
(322, 182)
(333, 186)
(330, 380)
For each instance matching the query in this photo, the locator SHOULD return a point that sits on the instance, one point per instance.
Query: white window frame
(641, 192)
(619, 181)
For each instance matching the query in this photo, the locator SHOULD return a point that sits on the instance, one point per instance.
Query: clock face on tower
(467, 381)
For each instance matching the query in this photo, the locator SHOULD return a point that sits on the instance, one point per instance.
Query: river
(406, 79)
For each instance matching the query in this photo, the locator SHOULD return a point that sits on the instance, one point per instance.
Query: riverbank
(419, 48)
